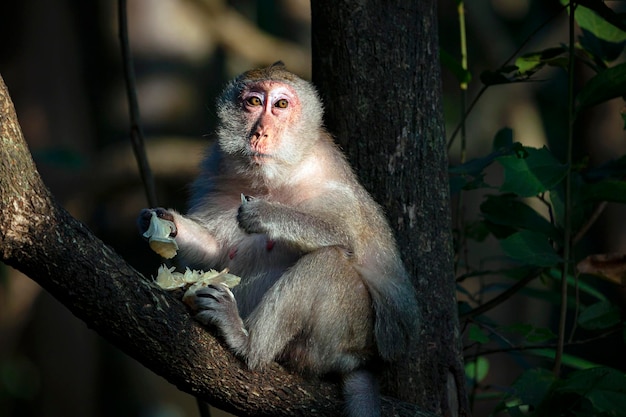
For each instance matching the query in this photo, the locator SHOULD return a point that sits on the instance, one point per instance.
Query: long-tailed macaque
(323, 288)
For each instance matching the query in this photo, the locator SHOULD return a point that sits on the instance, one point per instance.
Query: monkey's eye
(254, 101)
(282, 103)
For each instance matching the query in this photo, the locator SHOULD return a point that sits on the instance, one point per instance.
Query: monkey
(323, 289)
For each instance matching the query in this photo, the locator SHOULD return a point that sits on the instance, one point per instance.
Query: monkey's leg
(316, 318)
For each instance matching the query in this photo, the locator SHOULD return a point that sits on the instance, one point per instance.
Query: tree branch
(39, 238)
(136, 130)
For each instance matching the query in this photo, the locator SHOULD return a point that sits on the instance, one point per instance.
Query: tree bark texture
(376, 65)
(39, 238)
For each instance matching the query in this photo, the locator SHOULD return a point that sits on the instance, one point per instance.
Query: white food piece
(159, 239)
(169, 279)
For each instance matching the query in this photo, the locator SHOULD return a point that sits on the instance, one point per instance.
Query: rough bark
(376, 65)
(39, 238)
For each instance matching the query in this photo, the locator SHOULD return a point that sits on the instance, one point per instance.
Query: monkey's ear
(279, 64)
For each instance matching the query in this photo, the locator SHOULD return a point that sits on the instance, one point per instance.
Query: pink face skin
(272, 107)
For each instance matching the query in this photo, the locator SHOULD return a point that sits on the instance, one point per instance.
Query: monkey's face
(272, 112)
(270, 119)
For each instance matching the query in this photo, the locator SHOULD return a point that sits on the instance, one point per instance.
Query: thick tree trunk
(376, 65)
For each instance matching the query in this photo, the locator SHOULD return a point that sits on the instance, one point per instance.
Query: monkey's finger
(217, 292)
(143, 221)
(164, 214)
(246, 198)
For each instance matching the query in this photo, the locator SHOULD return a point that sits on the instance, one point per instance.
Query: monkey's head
(269, 117)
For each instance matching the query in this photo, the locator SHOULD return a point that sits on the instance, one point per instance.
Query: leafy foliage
(596, 391)
(539, 214)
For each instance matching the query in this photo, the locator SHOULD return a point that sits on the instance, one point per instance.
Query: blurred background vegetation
(61, 62)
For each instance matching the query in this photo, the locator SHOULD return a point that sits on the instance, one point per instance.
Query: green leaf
(462, 75)
(600, 315)
(540, 335)
(579, 284)
(579, 212)
(600, 377)
(567, 360)
(600, 50)
(533, 386)
(609, 190)
(507, 210)
(476, 335)
(529, 332)
(475, 166)
(606, 85)
(469, 176)
(503, 75)
(529, 63)
(477, 370)
(530, 248)
(600, 26)
(604, 387)
(503, 139)
(513, 74)
(608, 400)
(531, 174)
(532, 62)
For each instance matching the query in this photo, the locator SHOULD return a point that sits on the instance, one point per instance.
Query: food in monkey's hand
(158, 235)
(169, 279)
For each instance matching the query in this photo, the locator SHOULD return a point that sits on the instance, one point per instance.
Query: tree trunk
(377, 67)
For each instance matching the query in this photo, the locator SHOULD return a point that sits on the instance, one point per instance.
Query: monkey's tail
(361, 394)
(397, 318)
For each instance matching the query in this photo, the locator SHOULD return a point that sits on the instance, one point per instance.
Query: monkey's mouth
(260, 158)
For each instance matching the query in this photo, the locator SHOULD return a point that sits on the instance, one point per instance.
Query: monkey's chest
(256, 253)
(260, 263)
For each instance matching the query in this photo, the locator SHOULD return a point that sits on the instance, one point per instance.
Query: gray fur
(323, 289)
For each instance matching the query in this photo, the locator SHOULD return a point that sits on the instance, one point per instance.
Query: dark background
(61, 62)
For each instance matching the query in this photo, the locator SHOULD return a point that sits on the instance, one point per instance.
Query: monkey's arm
(305, 230)
(196, 242)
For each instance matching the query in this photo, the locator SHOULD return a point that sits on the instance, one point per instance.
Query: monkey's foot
(213, 297)
(215, 305)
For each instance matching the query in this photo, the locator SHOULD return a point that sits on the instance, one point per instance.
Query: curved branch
(39, 238)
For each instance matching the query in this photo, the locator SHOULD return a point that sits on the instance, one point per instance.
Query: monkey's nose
(260, 141)
(260, 135)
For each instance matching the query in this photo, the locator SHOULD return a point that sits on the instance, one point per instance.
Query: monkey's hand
(216, 305)
(250, 214)
(143, 221)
